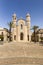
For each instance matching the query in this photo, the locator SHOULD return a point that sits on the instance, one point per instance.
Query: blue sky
(21, 8)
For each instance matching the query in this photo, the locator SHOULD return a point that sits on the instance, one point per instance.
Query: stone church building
(21, 29)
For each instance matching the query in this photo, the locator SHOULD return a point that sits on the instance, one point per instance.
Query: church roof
(23, 20)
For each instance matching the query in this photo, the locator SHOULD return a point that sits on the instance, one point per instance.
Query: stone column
(25, 34)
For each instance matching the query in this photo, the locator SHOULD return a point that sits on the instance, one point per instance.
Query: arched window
(21, 36)
(21, 26)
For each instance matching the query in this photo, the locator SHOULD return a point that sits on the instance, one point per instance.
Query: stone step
(21, 64)
(21, 60)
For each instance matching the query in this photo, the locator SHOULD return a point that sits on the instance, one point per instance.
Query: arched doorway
(21, 36)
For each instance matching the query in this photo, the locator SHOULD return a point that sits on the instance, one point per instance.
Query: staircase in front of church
(21, 54)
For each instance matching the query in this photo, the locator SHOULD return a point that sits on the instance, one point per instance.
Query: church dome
(14, 15)
(27, 15)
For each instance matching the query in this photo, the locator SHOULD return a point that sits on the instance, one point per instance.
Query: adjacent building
(40, 34)
(3, 34)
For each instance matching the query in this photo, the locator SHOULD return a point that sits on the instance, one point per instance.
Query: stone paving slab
(21, 54)
(21, 64)
(21, 50)
(21, 60)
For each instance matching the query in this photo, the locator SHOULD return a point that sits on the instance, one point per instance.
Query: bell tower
(14, 17)
(28, 16)
(14, 20)
(28, 27)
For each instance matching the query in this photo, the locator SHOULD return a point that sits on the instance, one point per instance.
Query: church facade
(21, 29)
